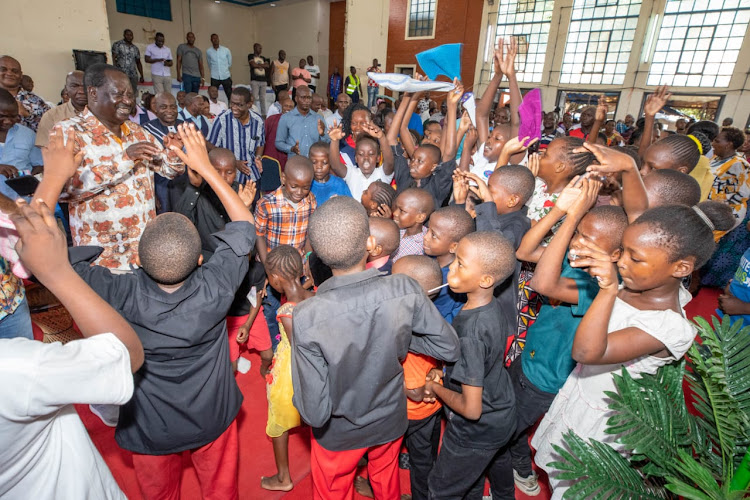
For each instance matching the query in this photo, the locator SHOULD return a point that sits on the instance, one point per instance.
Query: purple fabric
(530, 113)
(441, 60)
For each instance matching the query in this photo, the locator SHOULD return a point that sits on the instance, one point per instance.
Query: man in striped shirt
(241, 131)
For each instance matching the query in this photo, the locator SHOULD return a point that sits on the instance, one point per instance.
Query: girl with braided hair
(284, 271)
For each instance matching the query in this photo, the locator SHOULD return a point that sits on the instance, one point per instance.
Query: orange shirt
(416, 367)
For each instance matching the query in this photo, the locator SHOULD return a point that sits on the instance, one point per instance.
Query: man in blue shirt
(18, 154)
(301, 127)
(220, 64)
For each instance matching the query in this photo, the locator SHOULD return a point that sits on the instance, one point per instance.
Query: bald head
(224, 161)
(193, 103)
(298, 167)
(386, 234)
(10, 74)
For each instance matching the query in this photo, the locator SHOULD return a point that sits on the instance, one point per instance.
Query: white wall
(299, 28)
(366, 35)
(235, 25)
(42, 33)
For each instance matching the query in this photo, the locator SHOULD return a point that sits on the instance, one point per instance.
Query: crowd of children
(401, 296)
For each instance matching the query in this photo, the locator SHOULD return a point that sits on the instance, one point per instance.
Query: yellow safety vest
(352, 86)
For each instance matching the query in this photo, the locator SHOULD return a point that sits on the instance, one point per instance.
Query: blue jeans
(191, 83)
(18, 323)
(372, 96)
(271, 304)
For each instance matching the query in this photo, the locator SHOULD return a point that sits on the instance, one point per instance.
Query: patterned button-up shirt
(410, 245)
(125, 55)
(732, 184)
(280, 223)
(12, 292)
(112, 196)
(36, 107)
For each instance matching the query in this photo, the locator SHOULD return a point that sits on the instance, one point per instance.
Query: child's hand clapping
(59, 155)
(570, 194)
(533, 164)
(508, 64)
(336, 133)
(464, 124)
(515, 145)
(383, 211)
(656, 101)
(481, 189)
(599, 264)
(460, 187)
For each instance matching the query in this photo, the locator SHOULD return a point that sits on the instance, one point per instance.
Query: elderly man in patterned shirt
(33, 106)
(111, 195)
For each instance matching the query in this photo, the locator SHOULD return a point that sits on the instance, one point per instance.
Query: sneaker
(109, 414)
(528, 485)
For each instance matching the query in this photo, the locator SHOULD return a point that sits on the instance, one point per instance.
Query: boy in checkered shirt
(411, 210)
(281, 219)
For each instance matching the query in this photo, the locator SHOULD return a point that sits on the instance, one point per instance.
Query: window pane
(421, 17)
(705, 36)
(602, 41)
(157, 9)
(529, 22)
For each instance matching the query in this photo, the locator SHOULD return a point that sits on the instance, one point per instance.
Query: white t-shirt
(482, 167)
(217, 107)
(314, 70)
(45, 451)
(357, 181)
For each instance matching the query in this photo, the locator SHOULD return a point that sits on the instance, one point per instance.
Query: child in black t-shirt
(478, 394)
(428, 166)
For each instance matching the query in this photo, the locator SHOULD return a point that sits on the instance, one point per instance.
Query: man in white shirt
(45, 451)
(160, 58)
(314, 71)
(220, 64)
(343, 101)
(217, 106)
(275, 108)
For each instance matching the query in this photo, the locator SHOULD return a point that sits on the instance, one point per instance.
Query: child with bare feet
(284, 270)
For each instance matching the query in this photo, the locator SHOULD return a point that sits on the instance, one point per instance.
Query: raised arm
(61, 163)
(508, 67)
(531, 249)
(43, 250)
(336, 134)
(653, 105)
(599, 118)
(196, 157)
(398, 120)
(485, 103)
(547, 279)
(385, 146)
(407, 141)
(449, 134)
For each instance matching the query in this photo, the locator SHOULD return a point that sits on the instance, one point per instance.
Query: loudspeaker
(85, 58)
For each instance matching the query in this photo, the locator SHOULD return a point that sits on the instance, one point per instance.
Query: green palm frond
(650, 417)
(600, 472)
(719, 378)
(707, 487)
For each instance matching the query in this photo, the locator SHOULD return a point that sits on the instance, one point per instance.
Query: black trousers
(227, 84)
(422, 439)
(460, 468)
(531, 404)
(279, 88)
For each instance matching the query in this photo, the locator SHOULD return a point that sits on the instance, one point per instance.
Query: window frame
(568, 90)
(676, 95)
(121, 6)
(408, 21)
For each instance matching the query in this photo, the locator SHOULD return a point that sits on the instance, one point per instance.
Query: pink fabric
(530, 112)
(8, 239)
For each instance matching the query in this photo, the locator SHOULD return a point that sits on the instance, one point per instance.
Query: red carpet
(256, 454)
